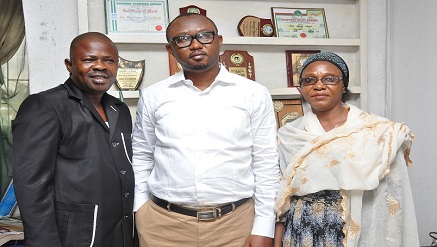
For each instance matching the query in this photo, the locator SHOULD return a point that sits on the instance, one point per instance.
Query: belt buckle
(210, 214)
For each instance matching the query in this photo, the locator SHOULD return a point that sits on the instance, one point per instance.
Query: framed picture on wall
(136, 16)
(300, 23)
(294, 61)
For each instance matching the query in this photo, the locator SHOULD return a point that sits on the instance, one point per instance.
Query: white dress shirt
(204, 148)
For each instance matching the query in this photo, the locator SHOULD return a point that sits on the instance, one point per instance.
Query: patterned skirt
(314, 220)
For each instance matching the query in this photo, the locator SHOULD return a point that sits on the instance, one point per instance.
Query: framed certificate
(294, 60)
(136, 16)
(300, 23)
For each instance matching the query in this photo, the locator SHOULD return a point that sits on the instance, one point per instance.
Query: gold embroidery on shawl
(304, 180)
(365, 116)
(288, 191)
(350, 155)
(332, 163)
(407, 157)
(403, 128)
(348, 140)
(354, 228)
(319, 145)
(344, 215)
(393, 205)
(373, 130)
(321, 151)
(381, 140)
(293, 191)
(293, 172)
(390, 148)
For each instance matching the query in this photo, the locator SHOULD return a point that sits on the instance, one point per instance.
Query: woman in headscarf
(345, 180)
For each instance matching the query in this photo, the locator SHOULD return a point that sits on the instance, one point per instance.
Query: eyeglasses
(186, 40)
(329, 80)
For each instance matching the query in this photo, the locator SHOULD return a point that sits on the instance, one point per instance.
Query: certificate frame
(300, 22)
(294, 61)
(136, 16)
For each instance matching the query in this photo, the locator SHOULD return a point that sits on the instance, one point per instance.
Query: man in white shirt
(204, 148)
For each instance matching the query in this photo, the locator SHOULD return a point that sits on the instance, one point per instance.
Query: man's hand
(258, 241)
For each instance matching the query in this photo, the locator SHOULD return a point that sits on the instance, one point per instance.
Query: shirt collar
(224, 76)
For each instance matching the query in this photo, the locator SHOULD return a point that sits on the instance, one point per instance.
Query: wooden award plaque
(192, 9)
(287, 110)
(255, 27)
(239, 62)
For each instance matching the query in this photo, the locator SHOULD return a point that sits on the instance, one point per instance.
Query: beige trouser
(158, 227)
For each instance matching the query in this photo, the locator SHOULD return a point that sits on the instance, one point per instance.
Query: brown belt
(209, 213)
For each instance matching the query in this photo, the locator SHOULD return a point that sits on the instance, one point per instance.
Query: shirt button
(126, 194)
(123, 172)
(114, 144)
(125, 217)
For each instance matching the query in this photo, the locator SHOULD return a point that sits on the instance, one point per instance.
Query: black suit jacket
(72, 174)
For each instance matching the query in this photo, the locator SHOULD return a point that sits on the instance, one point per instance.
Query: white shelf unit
(347, 27)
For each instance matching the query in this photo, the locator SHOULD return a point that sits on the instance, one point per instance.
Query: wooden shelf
(276, 41)
(288, 92)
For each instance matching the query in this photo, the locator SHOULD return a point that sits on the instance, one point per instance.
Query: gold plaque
(278, 105)
(130, 74)
(255, 27)
(239, 62)
(287, 110)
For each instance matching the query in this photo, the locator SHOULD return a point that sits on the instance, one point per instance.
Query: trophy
(192, 9)
(238, 62)
(255, 27)
(130, 74)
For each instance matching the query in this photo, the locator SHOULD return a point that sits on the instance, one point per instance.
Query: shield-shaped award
(130, 74)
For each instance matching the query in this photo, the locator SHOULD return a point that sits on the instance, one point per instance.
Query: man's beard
(199, 66)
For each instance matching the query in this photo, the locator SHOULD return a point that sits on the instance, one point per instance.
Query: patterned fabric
(314, 220)
(366, 160)
(332, 58)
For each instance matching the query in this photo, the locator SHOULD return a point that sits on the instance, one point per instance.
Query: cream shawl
(366, 159)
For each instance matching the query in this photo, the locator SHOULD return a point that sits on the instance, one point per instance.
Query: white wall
(413, 84)
(401, 85)
(50, 27)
